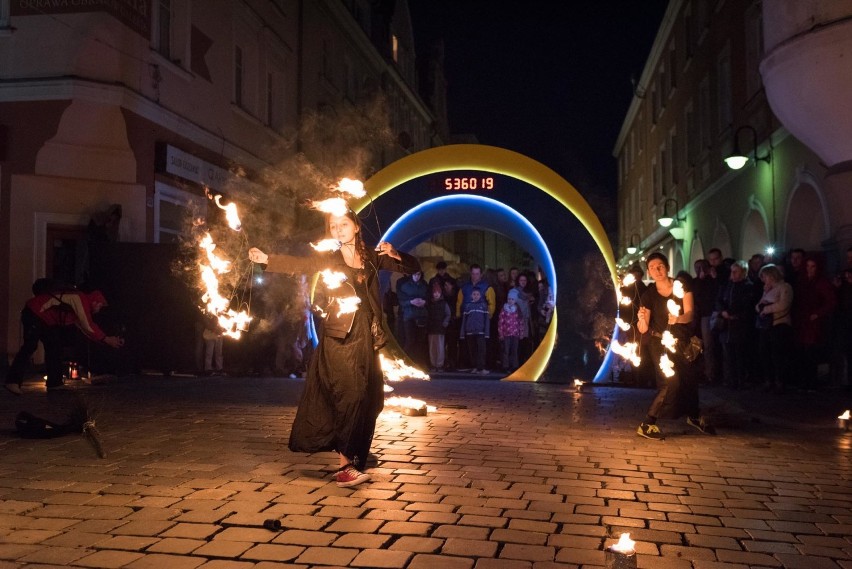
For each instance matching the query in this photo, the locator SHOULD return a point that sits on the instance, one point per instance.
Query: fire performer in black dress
(344, 390)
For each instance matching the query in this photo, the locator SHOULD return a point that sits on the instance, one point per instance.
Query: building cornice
(70, 88)
(660, 42)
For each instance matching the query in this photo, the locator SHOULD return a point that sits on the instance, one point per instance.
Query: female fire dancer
(676, 395)
(344, 391)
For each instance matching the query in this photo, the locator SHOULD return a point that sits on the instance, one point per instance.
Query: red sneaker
(350, 476)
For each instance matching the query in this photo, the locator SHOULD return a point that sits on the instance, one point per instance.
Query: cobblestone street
(501, 476)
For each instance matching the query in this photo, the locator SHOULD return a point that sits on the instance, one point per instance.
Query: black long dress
(344, 391)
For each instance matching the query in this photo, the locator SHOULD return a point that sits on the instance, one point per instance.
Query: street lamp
(634, 244)
(738, 159)
(666, 220)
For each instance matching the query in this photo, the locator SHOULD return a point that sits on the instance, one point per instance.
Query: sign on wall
(135, 14)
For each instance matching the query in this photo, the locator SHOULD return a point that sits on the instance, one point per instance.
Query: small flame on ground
(624, 544)
(846, 415)
(354, 188)
(397, 370)
(667, 366)
(327, 245)
(334, 206)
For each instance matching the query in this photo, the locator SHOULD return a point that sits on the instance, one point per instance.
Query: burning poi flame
(332, 279)
(354, 188)
(624, 545)
(233, 323)
(677, 289)
(846, 415)
(628, 351)
(626, 301)
(231, 214)
(327, 245)
(668, 341)
(674, 307)
(218, 264)
(397, 370)
(667, 366)
(347, 305)
(334, 206)
(628, 279)
(622, 324)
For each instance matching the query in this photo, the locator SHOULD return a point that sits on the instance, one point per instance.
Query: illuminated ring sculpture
(501, 161)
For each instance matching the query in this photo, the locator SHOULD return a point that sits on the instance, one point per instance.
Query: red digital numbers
(468, 183)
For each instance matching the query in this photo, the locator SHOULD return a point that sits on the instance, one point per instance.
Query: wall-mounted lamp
(666, 219)
(738, 159)
(634, 244)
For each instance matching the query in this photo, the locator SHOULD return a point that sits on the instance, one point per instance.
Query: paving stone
(327, 556)
(110, 559)
(422, 561)
(159, 561)
(469, 547)
(232, 549)
(381, 558)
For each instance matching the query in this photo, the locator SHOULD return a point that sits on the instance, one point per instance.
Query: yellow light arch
(498, 160)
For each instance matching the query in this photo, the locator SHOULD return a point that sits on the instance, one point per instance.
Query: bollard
(272, 524)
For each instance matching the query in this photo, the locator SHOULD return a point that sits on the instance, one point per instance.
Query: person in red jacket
(46, 318)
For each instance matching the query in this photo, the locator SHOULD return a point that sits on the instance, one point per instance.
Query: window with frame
(754, 48)
(655, 181)
(689, 42)
(172, 207)
(674, 156)
(705, 113)
(164, 28)
(672, 68)
(664, 170)
(691, 135)
(239, 75)
(724, 95)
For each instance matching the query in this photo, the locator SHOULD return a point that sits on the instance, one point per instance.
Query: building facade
(118, 115)
(704, 95)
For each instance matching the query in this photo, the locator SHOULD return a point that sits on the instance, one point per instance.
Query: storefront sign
(194, 169)
(135, 14)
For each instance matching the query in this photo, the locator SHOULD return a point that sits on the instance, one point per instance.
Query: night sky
(548, 79)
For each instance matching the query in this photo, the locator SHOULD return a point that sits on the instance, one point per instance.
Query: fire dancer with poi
(667, 310)
(343, 393)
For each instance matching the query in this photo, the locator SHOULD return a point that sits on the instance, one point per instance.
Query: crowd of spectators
(774, 325)
(482, 321)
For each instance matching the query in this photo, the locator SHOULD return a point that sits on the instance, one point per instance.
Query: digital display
(472, 183)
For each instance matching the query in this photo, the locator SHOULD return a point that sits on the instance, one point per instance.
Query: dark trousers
(510, 353)
(476, 350)
(52, 337)
(735, 363)
(416, 344)
(677, 395)
(776, 343)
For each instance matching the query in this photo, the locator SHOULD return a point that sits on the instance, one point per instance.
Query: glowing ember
(354, 188)
(334, 206)
(668, 341)
(667, 366)
(628, 279)
(397, 370)
(327, 245)
(845, 416)
(332, 279)
(622, 324)
(347, 304)
(624, 545)
(231, 214)
(677, 289)
(674, 307)
(578, 383)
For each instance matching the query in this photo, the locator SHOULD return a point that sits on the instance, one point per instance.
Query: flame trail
(332, 279)
(667, 366)
(397, 370)
(668, 341)
(327, 245)
(354, 188)
(347, 304)
(334, 206)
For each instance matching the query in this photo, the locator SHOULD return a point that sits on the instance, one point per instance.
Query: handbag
(692, 349)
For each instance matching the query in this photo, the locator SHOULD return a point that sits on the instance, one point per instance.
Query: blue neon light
(466, 211)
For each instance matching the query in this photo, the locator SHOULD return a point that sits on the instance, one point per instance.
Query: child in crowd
(475, 328)
(437, 320)
(509, 330)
